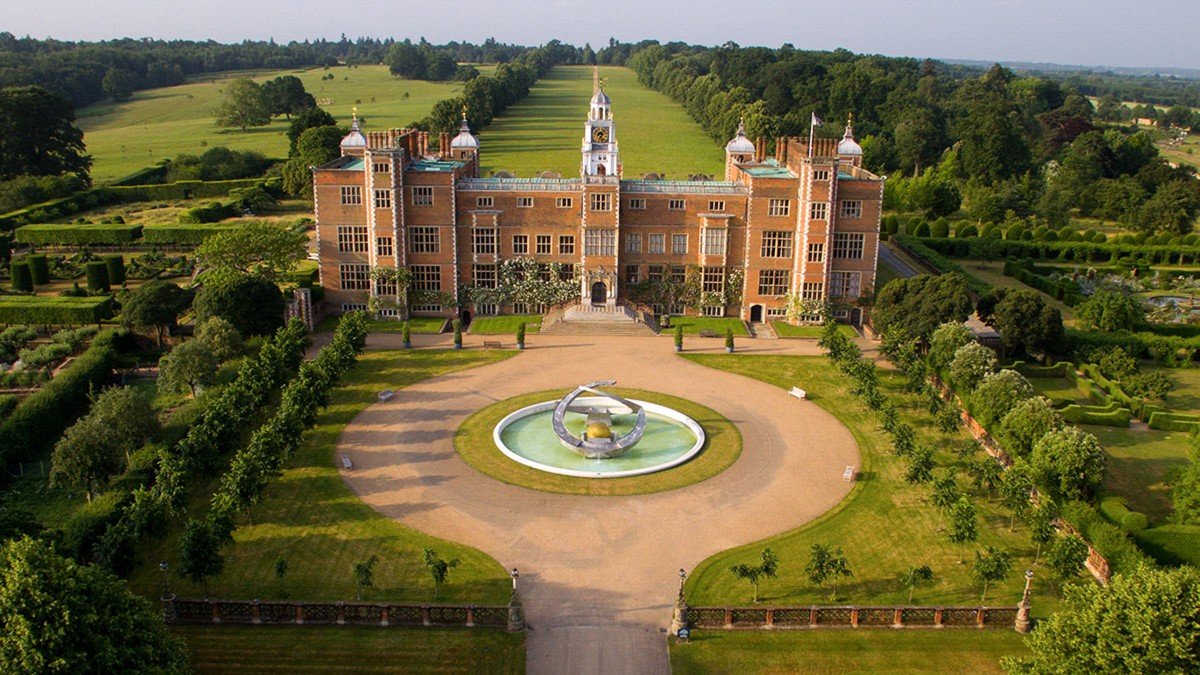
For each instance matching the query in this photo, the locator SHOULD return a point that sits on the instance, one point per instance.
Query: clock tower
(599, 136)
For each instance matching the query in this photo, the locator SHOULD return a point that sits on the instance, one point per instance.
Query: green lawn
(1062, 390)
(416, 324)
(1138, 464)
(344, 649)
(883, 274)
(692, 325)
(505, 324)
(158, 124)
(722, 447)
(884, 525)
(991, 272)
(846, 651)
(786, 330)
(543, 131)
(311, 518)
(1185, 397)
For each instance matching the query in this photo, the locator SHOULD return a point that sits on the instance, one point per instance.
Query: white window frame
(779, 207)
(422, 195)
(520, 244)
(424, 239)
(633, 242)
(351, 195)
(716, 241)
(777, 243)
(383, 199)
(657, 243)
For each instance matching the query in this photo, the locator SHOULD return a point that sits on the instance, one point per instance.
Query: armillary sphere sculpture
(598, 441)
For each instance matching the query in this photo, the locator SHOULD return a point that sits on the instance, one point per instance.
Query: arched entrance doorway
(756, 313)
(599, 293)
(464, 318)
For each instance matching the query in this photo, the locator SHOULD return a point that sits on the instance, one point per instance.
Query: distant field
(161, 123)
(544, 131)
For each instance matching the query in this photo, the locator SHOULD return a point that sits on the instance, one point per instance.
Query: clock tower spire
(599, 135)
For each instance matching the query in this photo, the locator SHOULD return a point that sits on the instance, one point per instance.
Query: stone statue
(598, 441)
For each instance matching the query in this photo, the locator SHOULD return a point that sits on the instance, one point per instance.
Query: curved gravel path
(599, 574)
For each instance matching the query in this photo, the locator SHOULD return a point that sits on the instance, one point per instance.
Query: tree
(127, 414)
(964, 525)
(1108, 311)
(945, 489)
(922, 303)
(1027, 323)
(768, 566)
(118, 84)
(221, 338)
(992, 565)
(971, 363)
(319, 145)
(1114, 363)
(85, 457)
(286, 96)
(1041, 525)
(404, 59)
(1185, 489)
(1025, 423)
(827, 563)
(187, 366)
(920, 465)
(986, 473)
(57, 616)
(438, 568)
(916, 576)
(364, 575)
(1146, 620)
(281, 567)
(155, 304)
(309, 118)
(998, 393)
(1172, 208)
(200, 553)
(945, 341)
(244, 105)
(266, 250)
(1069, 463)
(38, 135)
(1016, 487)
(1066, 556)
(253, 305)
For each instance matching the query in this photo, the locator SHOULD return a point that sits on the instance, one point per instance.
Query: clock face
(600, 135)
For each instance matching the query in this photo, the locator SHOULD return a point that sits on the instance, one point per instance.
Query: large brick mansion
(803, 223)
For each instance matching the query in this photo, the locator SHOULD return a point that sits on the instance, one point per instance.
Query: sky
(1077, 32)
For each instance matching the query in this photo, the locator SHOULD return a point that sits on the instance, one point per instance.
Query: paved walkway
(599, 574)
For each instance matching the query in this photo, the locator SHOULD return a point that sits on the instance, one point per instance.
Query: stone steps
(598, 328)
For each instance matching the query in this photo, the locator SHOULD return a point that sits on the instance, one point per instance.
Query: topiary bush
(21, 276)
(39, 267)
(97, 276)
(115, 265)
(967, 230)
(940, 228)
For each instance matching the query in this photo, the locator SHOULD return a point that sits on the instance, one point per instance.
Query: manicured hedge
(33, 427)
(1168, 421)
(988, 248)
(58, 209)
(209, 213)
(97, 276)
(21, 276)
(1118, 513)
(51, 310)
(39, 267)
(69, 234)
(1100, 415)
(8, 403)
(115, 264)
(943, 264)
(1060, 289)
(1110, 540)
(1141, 344)
(1060, 369)
(181, 234)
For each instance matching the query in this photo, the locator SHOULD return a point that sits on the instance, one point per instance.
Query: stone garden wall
(825, 616)
(299, 612)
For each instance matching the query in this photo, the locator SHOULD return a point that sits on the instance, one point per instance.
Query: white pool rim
(662, 411)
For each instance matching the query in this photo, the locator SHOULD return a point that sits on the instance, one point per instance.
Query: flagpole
(812, 126)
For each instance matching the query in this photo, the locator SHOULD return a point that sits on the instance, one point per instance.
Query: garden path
(599, 574)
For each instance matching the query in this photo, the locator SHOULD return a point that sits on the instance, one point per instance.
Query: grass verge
(343, 649)
(505, 324)
(786, 330)
(722, 447)
(846, 651)
(416, 325)
(692, 325)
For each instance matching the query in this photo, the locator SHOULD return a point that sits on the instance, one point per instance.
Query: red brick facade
(804, 224)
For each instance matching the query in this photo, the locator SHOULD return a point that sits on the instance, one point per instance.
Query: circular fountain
(598, 436)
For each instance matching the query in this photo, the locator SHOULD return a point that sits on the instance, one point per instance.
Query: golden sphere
(599, 430)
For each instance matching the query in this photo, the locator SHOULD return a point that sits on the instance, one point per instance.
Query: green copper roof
(435, 165)
(769, 169)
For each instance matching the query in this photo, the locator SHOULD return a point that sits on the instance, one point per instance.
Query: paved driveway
(599, 574)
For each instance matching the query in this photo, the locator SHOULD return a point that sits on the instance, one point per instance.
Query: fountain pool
(670, 438)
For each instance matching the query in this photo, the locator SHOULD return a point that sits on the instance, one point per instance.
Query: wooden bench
(798, 393)
(848, 475)
(708, 333)
(346, 463)
(385, 395)
(492, 344)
